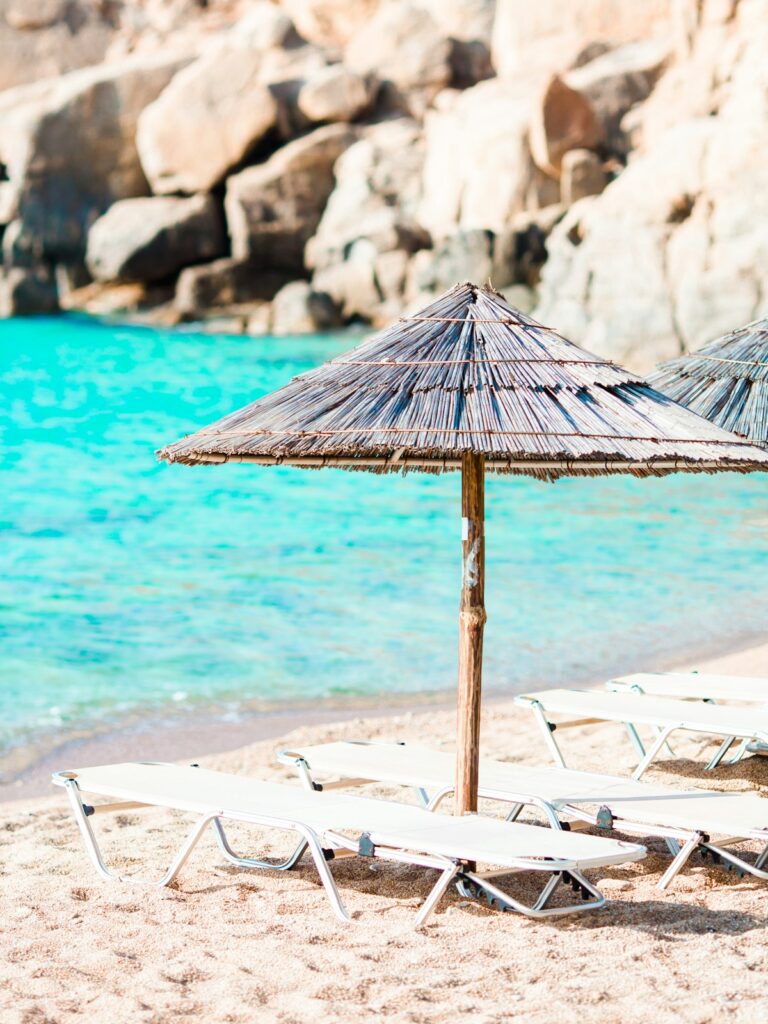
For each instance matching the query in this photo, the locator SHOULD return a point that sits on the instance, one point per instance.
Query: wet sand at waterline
(226, 944)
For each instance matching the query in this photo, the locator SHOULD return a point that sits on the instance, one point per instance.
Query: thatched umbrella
(726, 381)
(469, 383)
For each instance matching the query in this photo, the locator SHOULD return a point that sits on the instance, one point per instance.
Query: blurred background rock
(297, 165)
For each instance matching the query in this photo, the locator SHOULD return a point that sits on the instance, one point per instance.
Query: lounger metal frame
(681, 842)
(646, 755)
(629, 684)
(329, 846)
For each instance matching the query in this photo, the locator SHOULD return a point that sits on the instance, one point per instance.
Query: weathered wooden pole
(471, 624)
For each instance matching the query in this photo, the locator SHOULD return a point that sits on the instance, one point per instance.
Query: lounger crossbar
(686, 820)
(664, 716)
(333, 825)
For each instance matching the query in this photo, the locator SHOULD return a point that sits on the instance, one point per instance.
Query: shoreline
(214, 730)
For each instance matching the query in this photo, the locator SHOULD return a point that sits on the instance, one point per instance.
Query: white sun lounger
(664, 715)
(387, 830)
(694, 686)
(698, 686)
(687, 821)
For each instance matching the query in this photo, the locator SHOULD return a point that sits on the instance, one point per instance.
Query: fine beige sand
(231, 945)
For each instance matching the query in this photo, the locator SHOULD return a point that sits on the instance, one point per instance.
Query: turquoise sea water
(127, 585)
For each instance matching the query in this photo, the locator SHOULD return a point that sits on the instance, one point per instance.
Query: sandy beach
(230, 945)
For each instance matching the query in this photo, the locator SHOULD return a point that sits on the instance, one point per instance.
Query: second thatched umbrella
(470, 384)
(726, 381)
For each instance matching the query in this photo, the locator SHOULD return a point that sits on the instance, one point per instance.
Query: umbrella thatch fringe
(469, 374)
(726, 381)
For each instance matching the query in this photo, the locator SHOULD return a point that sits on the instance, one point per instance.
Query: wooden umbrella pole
(471, 624)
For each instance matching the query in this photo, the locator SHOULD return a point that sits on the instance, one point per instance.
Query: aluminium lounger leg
(680, 860)
(722, 750)
(655, 747)
(251, 862)
(428, 907)
(94, 852)
(548, 730)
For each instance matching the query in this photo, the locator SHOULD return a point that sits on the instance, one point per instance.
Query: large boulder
(329, 22)
(68, 146)
(27, 291)
(205, 121)
(402, 46)
(274, 208)
(47, 38)
(563, 119)
(376, 195)
(616, 81)
(545, 37)
(478, 171)
(335, 94)
(151, 239)
(299, 309)
(468, 24)
(224, 284)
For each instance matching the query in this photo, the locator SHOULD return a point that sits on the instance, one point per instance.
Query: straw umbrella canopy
(470, 384)
(726, 381)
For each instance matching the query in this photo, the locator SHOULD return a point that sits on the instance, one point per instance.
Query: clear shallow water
(126, 585)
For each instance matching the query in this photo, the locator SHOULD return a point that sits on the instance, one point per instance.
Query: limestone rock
(462, 256)
(223, 284)
(402, 46)
(263, 26)
(284, 71)
(8, 196)
(150, 239)
(375, 198)
(616, 81)
(466, 20)
(299, 309)
(351, 285)
(69, 147)
(42, 39)
(468, 25)
(519, 252)
(25, 292)
(674, 251)
(334, 94)
(563, 119)
(582, 174)
(203, 124)
(545, 37)
(274, 208)
(477, 168)
(329, 22)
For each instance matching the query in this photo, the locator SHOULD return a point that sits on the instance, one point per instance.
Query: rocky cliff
(297, 165)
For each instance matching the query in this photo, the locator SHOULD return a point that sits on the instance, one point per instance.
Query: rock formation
(300, 164)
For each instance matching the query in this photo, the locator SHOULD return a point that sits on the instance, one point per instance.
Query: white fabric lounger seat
(694, 686)
(665, 715)
(381, 829)
(692, 817)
